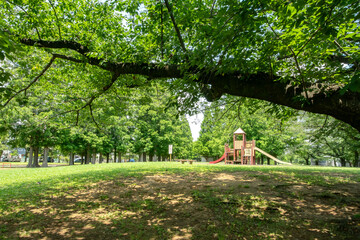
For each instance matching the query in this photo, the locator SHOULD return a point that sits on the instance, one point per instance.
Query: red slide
(219, 160)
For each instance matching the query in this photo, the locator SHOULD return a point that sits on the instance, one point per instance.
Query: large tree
(301, 54)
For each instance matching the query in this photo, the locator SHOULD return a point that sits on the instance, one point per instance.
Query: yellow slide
(272, 157)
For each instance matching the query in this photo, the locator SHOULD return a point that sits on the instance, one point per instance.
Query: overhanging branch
(260, 85)
(32, 82)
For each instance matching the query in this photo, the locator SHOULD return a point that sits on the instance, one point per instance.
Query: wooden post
(243, 149)
(253, 152)
(235, 155)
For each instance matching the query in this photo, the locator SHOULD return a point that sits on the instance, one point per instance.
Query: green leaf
(355, 83)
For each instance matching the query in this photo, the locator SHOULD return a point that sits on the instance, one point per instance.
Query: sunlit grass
(249, 205)
(18, 182)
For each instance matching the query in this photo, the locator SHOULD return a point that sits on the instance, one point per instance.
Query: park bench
(6, 163)
(185, 160)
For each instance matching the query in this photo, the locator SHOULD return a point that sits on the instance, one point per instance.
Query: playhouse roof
(239, 131)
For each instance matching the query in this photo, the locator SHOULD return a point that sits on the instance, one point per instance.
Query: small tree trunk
(163, 158)
(115, 159)
(36, 158)
(45, 157)
(100, 158)
(82, 159)
(119, 156)
(30, 157)
(93, 159)
(87, 159)
(144, 156)
(71, 162)
(343, 162)
(268, 161)
(356, 159)
(151, 157)
(107, 157)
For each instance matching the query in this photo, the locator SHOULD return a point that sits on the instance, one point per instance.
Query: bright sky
(195, 124)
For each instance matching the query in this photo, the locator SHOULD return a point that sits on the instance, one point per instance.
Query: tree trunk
(82, 159)
(144, 156)
(268, 161)
(307, 161)
(163, 158)
(87, 159)
(107, 157)
(343, 162)
(36, 158)
(115, 159)
(159, 158)
(31, 152)
(100, 158)
(93, 159)
(151, 158)
(356, 158)
(71, 162)
(45, 157)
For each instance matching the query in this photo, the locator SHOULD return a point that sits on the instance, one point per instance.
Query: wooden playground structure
(243, 151)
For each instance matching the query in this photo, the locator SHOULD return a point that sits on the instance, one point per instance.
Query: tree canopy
(301, 54)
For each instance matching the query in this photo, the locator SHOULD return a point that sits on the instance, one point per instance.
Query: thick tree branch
(148, 69)
(32, 82)
(261, 85)
(72, 59)
(62, 44)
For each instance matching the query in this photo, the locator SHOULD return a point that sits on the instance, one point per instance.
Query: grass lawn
(179, 201)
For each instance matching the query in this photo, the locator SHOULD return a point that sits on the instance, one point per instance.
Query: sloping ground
(221, 205)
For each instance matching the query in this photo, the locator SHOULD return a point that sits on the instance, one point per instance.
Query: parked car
(77, 160)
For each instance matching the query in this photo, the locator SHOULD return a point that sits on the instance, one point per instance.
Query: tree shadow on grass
(189, 205)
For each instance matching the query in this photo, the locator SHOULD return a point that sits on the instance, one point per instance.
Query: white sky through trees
(195, 124)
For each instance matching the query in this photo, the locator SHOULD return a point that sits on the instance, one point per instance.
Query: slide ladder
(270, 156)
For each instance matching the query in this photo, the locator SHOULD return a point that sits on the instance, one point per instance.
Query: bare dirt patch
(238, 205)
